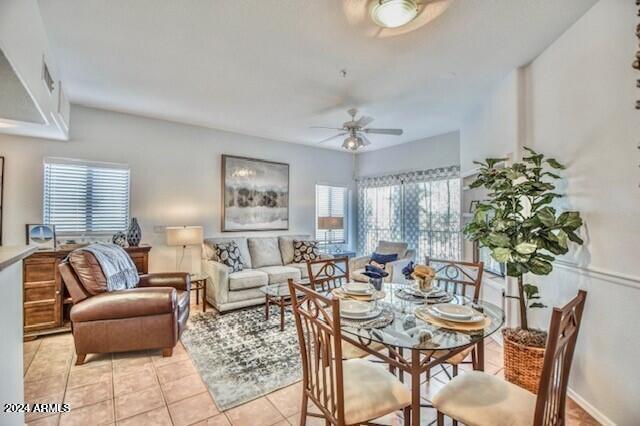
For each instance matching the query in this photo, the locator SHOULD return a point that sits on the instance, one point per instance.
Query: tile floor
(143, 388)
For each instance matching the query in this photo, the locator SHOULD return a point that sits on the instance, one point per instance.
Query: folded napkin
(408, 270)
(374, 272)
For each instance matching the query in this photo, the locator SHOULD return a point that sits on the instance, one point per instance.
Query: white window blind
(82, 197)
(331, 202)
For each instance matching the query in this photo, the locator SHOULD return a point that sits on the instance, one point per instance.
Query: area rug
(240, 356)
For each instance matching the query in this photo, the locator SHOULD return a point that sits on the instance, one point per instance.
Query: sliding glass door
(421, 208)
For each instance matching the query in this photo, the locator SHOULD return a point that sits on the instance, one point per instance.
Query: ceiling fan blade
(365, 140)
(322, 127)
(331, 138)
(396, 132)
(364, 121)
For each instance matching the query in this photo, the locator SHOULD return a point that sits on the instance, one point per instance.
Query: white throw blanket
(118, 268)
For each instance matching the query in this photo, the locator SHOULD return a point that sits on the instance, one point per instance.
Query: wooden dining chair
(327, 274)
(465, 279)
(483, 399)
(346, 392)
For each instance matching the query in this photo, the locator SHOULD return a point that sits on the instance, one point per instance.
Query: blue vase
(134, 235)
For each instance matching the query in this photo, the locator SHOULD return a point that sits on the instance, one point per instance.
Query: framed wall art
(255, 194)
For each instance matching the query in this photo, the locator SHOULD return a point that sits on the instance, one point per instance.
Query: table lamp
(330, 223)
(183, 236)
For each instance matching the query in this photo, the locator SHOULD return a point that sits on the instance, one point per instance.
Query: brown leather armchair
(151, 316)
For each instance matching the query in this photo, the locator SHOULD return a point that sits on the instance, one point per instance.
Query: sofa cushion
(380, 260)
(229, 254)
(264, 252)
(246, 279)
(280, 274)
(392, 247)
(305, 250)
(286, 246)
(302, 267)
(209, 249)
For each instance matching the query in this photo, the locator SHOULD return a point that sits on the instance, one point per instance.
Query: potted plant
(522, 230)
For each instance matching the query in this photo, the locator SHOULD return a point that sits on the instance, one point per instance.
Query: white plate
(358, 288)
(372, 314)
(476, 317)
(355, 308)
(453, 311)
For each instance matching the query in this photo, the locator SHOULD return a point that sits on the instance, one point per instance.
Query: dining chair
(465, 279)
(478, 398)
(326, 275)
(347, 392)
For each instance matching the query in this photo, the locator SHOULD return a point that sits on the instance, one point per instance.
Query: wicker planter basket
(522, 364)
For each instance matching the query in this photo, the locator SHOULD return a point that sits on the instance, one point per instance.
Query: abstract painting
(255, 194)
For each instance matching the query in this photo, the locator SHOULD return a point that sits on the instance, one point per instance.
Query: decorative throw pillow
(305, 250)
(229, 254)
(383, 259)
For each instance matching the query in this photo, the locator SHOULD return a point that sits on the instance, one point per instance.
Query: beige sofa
(266, 260)
(405, 255)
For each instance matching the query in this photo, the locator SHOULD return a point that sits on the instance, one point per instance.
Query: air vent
(46, 76)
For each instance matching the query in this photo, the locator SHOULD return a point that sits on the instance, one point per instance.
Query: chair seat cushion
(351, 351)
(477, 398)
(280, 274)
(455, 359)
(247, 279)
(370, 391)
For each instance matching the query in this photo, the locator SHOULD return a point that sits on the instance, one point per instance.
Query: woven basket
(523, 364)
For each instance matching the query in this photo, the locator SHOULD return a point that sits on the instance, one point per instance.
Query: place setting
(359, 307)
(416, 295)
(453, 316)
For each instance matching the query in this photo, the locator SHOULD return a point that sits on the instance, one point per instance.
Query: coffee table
(278, 294)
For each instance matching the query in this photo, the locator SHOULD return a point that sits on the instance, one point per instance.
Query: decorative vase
(119, 239)
(134, 235)
(376, 283)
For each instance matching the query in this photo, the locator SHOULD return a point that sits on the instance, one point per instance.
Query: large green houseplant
(522, 229)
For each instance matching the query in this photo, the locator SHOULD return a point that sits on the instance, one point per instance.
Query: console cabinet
(46, 302)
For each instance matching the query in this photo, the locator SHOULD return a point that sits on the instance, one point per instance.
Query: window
(420, 208)
(85, 198)
(331, 221)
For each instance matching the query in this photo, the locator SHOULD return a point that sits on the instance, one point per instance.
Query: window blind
(331, 202)
(83, 198)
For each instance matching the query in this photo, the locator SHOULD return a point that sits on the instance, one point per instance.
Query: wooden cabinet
(46, 302)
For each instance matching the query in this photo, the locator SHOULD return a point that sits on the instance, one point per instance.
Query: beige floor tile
(39, 369)
(219, 420)
(141, 378)
(53, 385)
(96, 414)
(138, 402)
(130, 365)
(193, 409)
(182, 388)
(287, 400)
(31, 346)
(117, 356)
(86, 376)
(27, 358)
(311, 421)
(159, 360)
(157, 417)
(54, 399)
(246, 414)
(175, 371)
(90, 394)
(281, 423)
(91, 360)
(45, 421)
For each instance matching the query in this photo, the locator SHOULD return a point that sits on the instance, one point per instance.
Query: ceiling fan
(356, 131)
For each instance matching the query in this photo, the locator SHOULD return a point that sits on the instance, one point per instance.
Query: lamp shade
(184, 235)
(330, 223)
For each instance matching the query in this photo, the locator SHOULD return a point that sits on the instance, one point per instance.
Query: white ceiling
(271, 68)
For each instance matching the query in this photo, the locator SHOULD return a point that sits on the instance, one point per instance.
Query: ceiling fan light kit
(393, 13)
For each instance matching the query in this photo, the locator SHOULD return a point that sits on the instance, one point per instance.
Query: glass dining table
(414, 346)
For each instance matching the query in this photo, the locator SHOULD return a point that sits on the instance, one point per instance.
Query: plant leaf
(526, 248)
(501, 254)
(537, 305)
(554, 163)
(547, 216)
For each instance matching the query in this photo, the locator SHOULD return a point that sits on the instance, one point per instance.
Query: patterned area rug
(240, 356)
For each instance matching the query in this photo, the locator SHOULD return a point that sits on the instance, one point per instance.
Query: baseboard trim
(589, 408)
(583, 403)
(602, 274)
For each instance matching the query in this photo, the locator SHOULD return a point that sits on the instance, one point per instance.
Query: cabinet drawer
(139, 261)
(40, 315)
(46, 290)
(40, 270)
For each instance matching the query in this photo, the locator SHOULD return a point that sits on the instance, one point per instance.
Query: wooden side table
(199, 282)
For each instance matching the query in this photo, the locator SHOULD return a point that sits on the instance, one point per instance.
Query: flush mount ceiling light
(393, 13)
